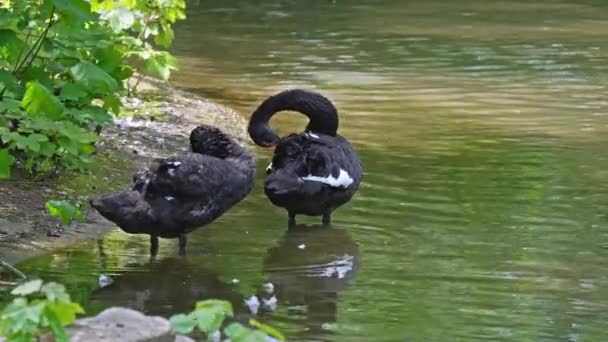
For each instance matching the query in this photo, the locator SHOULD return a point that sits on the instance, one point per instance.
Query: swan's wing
(330, 165)
(192, 175)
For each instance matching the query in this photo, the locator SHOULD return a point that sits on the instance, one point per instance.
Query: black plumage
(177, 195)
(313, 172)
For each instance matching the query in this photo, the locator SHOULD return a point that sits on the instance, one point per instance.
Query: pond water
(484, 208)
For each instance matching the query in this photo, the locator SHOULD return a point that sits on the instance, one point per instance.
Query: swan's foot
(153, 245)
(327, 218)
(182, 244)
(292, 219)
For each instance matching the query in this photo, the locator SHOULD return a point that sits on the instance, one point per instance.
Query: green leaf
(37, 73)
(27, 288)
(8, 81)
(216, 305)
(90, 114)
(39, 100)
(165, 37)
(6, 162)
(43, 124)
(112, 103)
(11, 105)
(93, 78)
(23, 318)
(122, 73)
(119, 18)
(55, 292)
(28, 143)
(72, 92)
(75, 12)
(77, 134)
(65, 311)
(160, 65)
(11, 46)
(52, 321)
(109, 59)
(182, 324)
(8, 20)
(210, 314)
(271, 331)
(239, 333)
(47, 149)
(64, 210)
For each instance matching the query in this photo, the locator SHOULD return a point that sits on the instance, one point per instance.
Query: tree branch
(12, 269)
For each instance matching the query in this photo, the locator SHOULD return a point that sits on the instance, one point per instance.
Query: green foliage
(64, 210)
(38, 309)
(63, 67)
(147, 24)
(209, 316)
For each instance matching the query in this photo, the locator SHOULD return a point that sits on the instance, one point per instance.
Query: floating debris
(268, 288)
(270, 303)
(253, 303)
(104, 280)
(302, 246)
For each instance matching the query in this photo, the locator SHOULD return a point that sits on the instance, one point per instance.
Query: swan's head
(212, 141)
(262, 134)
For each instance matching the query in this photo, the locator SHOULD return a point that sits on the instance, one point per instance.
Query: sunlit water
(483, 212)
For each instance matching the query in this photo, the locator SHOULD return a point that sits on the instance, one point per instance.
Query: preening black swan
(174, 196)
(313, 172)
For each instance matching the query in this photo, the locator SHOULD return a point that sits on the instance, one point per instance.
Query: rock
(124, 325)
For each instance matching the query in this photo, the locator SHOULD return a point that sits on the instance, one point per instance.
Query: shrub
(38, 309)
(63, 67)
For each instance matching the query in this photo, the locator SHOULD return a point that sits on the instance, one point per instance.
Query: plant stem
(37, 45)
(27, 39)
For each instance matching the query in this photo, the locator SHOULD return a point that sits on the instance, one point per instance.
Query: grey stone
(124, 325)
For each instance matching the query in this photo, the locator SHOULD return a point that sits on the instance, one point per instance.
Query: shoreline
(154, 123)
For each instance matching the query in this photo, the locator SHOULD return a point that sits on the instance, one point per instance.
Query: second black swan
(174, 196)
(313, 172)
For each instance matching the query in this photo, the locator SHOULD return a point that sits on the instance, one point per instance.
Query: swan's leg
(327, 217)
(153, 245)
(292, 219)
(182, 243)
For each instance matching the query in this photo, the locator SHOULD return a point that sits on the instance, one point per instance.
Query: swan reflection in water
(309, 267)
(305, 273)
(166, 287)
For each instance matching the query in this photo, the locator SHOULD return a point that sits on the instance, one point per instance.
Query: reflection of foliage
(38, 309)
(209, 316)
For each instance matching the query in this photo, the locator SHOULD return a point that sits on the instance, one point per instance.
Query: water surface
(483, 212)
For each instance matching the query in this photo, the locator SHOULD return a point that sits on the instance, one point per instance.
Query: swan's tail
(127, 209)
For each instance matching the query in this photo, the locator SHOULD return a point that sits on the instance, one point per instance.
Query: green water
(483, 211)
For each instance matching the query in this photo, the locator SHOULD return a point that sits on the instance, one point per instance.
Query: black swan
(174, 196)
(311, 173)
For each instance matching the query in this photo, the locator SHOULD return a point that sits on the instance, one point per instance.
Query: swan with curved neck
(321, 112)
(313, 172)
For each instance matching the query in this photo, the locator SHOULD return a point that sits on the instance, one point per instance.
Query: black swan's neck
(321, 112)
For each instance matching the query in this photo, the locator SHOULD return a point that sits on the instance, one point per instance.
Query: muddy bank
(155, 123)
